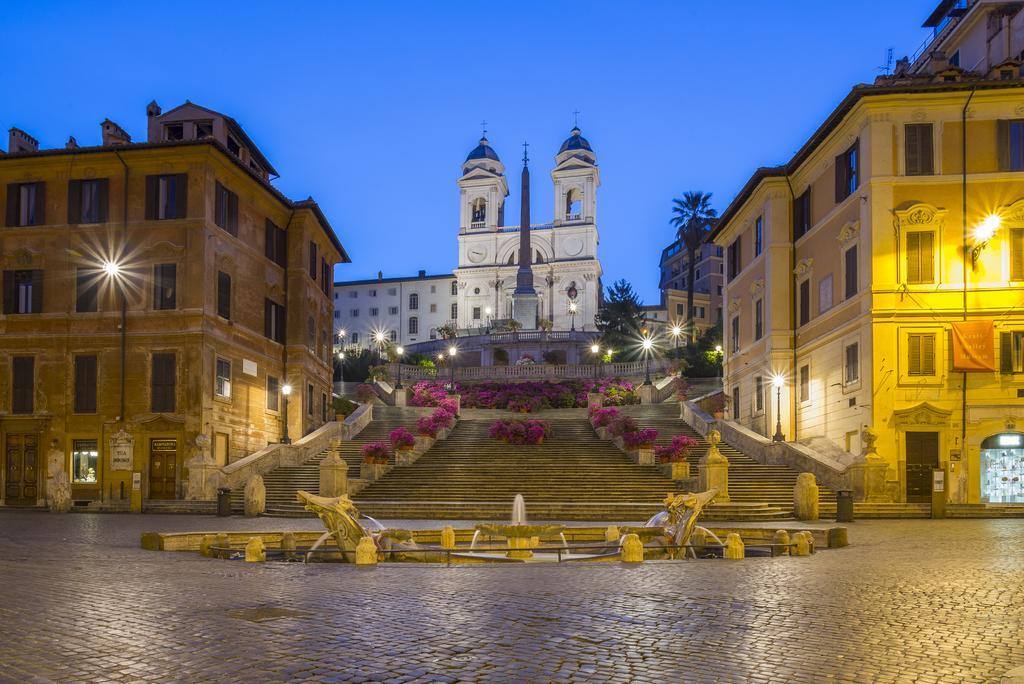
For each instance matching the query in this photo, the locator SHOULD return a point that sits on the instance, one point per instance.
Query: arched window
(455, 287)
(414, 325)
(479, 211)
(414, 301)
(538, 258)
(512, 259)
(573, 205)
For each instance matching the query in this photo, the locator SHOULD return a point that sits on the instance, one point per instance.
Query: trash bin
(844, 505)
(223, 501)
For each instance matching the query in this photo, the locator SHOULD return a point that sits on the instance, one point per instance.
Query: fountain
(678, 521)
(520, 536)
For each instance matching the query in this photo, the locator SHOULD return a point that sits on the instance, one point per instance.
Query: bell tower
(482, 190)
(576, 179)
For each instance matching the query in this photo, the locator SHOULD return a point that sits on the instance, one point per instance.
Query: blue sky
(371, 107)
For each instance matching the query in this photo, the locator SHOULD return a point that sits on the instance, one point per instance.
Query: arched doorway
(1002, 468)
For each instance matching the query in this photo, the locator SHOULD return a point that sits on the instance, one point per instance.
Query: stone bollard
(632, 549)
(805, 497)
(222, 541)
(713, 469)
(810, 540)
(447, 537)
(206, 544)
(366, 552)
(734, 547)
(645, 455)
(401, 397)
(334, 472)
(803, 546)
(780, 537)
(288, 545)
(612, 534)
(837, 538)
(255, 496)
(255, 552)
(647, 394)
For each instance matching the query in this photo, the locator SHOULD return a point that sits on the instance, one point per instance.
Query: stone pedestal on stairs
(867, 473)
(713, 469)
(334, 472)
(647, 394)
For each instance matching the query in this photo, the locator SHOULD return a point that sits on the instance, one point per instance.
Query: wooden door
(163, 456)
(21, 465)
(922, 459)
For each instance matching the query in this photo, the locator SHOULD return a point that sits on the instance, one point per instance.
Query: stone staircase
(282, 483)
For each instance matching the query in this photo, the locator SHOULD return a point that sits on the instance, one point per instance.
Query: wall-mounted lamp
(983, 232)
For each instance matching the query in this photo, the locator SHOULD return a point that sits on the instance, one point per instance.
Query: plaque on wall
(249, 367)
(122, 447)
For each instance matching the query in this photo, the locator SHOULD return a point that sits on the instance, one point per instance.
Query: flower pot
(404, 456)
(372, 471)
(645, 455)
(602, 433)
(675, 471)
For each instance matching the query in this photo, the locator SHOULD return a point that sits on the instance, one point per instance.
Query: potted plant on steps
(672, 458)
(404, 443)
(640, 444)
(375, 461)
(601, 418)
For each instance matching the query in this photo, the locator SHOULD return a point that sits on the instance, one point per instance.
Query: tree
(701, 359)
(619, 319)
(692, 214)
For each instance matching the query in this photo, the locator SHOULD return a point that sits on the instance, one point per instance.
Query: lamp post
(341, 370)
(596, 351)
(286, 390)
(398, 354)
(572, 316)
(648, 346)
(721, 358)
(778, 381)
(451, 354)
(378, 337)
(112, 269)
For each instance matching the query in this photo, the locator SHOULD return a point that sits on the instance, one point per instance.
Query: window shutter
(233, 214)
(9, 293)
(40, 205)
(856, 165)
(37, 291)
(12, 205)
(181, 195)
(839, 179)
(927, 153)
(282, 246)
(85, 384)
(104, 199)
(1017, 254)
(927, 354)
(927, 257)
(805, 301)
(911, 149)
(23, 380)
(74, 202)
(269, 239)
(223, 295)
(913, 257)
(1005, 352)
(1003, 144)
(267, 331)
(851, 272)
(152, 196)
(914, 355)
(218, 205)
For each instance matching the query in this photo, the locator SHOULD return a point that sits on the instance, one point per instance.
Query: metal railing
(577, 371)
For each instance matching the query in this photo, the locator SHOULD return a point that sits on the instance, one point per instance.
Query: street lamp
(648, 346)
(112, 269)
(379, 338)
(983, 232)
(341, 370)
(487, 312)
(596, 351)
(286, 390)
(572, 316)
(451, 353)
(398, 353)
(721, 357)
(778, 380)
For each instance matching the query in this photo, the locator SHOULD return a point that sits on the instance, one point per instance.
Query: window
(1011, 352)
(680, 310)
(26, 204)
(476, 313)
(758, 319)
(337, 315)
(805, 301)
(164, 290)
(374, 311)
(735, 332)
(1010, 136)
(847, 172)
(479, 210)
(22, 384)
(433, 289)
(275, 243)
(309, 399)
(224, 295)
(87, 290)
(222, 379)
(433, 308)
(852, 363)
(273, 321)
(392, 291)
(698, 312)
(162, 383)
(455, 288)
(355, 338)
(1017, 254)
(455, 311)
(758, 234)
(921, 354)
(393, 335)
(696, 275)
(373, 293)
(918, 152)
(204, 129)
(166, 196)
(825, 294)
(323, 407)
(85, 384)
(920, 257)
(805, 383)
(802, 214)
(850, 273)
(414, 325)
(353, 294)
(758, 394)
(325, 275)
(175, 131)
(23, 292)
(734, 258)
(736, 401)
(225, 211)
(273, 393)
(414, 301)
(85, 456)
(312, 260)
(87, 201)
(573, 205)
(392, 310)
(354, 313)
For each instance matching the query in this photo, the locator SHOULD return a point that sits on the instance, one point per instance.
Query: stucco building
(154, 292)
(708, 283)
(879, 274)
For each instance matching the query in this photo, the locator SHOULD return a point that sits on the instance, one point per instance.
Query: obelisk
(524, 298)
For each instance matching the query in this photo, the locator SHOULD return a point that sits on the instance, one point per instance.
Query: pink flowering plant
(620, 425)
(365, 393)
(527, 396)
(640, 438)
(528, 431)
(375, 453)
(602, 417)
(675, 451)
(435, 422)
(401, 438)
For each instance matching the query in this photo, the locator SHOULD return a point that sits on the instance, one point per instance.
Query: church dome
(483, 151)
(575, 142)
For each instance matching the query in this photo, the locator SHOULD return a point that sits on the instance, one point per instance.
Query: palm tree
(691, 216)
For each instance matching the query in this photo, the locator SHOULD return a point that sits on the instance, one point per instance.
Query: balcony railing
(569, 371)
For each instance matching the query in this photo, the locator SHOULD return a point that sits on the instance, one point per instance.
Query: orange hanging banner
(974, 346)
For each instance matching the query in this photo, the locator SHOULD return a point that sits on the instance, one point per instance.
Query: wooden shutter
(104, 200)
(927, 354)
(12, 205)
(218, 205)
(162, 383)
(40, 207)
(312, 260)
(232, 214)
(851, 272)
(37, 291)
(918, 152)
(181, 195)
(152, 197)
(268, 331)
(1003, 144)
(268, 239)
(85, 384)
(23, 378)
(840, 172)
(280, 323)
(805, 301)
(927, 257)
(1005, 352)
(10, 294)
(223, 295)
(913, 355)
(74, 202)
(1017, 254)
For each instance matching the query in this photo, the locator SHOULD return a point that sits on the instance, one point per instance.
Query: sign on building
(122, 446)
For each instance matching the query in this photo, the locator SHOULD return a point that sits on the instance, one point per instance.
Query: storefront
(1002, 468)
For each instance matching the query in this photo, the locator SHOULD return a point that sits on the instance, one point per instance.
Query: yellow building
(154, 292)
(852, 270)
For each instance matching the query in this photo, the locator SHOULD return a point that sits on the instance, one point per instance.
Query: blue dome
(483, 151)
(575, 142)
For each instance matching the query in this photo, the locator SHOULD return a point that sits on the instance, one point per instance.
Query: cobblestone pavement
(908, 601)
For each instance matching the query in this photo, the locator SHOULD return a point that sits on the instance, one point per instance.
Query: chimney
(113, 134)
(20, 142)
(423, 274)
(153, 112)
(938, 61)
(71, 144)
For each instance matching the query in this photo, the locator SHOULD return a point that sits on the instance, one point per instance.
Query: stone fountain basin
(510, 531)
(645, 534)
